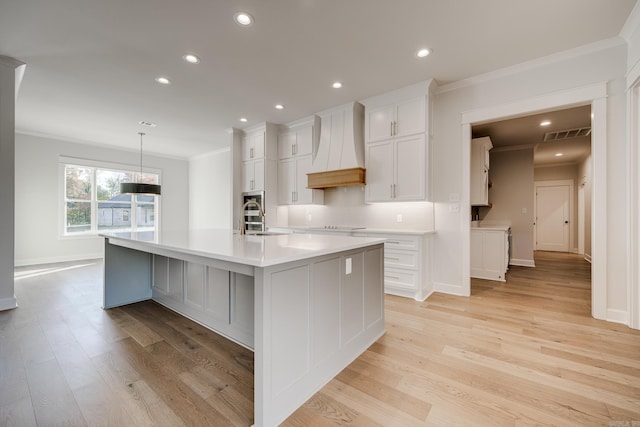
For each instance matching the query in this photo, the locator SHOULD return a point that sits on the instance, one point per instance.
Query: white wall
(38, 215)
(210, 190)
(606, 64)
(511, 174)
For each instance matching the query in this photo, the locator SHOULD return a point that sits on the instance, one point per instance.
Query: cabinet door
(216, 302)
(493, 254)
(410, 168)
(303, 195)
(286, 145)
(241, 314)
(304, 141)
(253, 146)
(477, 250)
(248, 176)
(286, 181)
(379, 123)
(258, 175)
(410, 117)
(379, 163)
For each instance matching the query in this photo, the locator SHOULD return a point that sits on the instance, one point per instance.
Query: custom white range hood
(340, 158)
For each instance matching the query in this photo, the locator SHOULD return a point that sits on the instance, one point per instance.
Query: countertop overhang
(253, 250)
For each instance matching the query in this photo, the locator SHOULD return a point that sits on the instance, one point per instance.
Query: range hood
(339, 161)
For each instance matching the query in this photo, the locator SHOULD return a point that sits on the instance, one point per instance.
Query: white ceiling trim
(534, 63)
(631, 24)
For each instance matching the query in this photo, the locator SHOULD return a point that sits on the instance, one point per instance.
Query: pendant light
(139, 187)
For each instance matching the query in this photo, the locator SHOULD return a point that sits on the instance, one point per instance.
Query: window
(93, 202)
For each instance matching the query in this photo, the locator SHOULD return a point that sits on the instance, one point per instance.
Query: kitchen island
(307, 305)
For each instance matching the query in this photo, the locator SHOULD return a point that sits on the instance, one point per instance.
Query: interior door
(552, 218)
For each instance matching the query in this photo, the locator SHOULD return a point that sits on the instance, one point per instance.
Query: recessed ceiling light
(423, 52)
(243, 119)
(191, 58)
(163, 80)
(143, 123)
(545, 123)
(243, 18)
(559, 154)
(336, 85)
(279, 107)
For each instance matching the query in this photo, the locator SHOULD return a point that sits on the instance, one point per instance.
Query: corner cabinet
(297, 142)
(397, 144)
(489, 253)
(479, 186)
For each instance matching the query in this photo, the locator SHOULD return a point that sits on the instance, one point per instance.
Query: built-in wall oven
(253, 221)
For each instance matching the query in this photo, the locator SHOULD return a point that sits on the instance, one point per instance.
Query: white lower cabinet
(489, 254)
(220, 299)
(405, 264)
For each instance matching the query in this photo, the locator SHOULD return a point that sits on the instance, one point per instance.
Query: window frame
(95, 165)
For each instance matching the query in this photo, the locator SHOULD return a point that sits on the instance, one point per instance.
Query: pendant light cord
(140, 176)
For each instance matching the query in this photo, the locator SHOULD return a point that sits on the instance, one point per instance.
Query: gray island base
(307, 305)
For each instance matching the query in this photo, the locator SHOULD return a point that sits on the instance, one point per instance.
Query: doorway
(594, 95)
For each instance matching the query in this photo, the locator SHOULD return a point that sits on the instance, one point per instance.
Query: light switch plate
(454, 207)
(347, 266)
(399, 218)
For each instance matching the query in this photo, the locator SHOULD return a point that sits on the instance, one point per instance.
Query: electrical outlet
(454, 197)
(399, 218)
(454, 207)
(308, 217)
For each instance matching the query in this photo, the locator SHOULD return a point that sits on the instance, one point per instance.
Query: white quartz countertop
(491, 227)
(258, 251)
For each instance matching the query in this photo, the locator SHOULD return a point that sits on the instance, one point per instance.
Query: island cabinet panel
(325, 310)
(352, 309)
(318, 315)
(160, 274)
(217, 298)
(217, 294)
(194, 285)
(241, 306)
(175, 279)
(290, 321)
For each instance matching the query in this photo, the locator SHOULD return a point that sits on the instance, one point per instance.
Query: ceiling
(526, 132)
(91, 64)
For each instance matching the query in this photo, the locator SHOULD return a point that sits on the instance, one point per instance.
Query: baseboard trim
(52, 260)
(8, 303)
(522, 262)
(587, 258)
(446, 288)
(617, 316)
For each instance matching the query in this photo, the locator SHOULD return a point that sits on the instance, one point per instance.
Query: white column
(11, 71)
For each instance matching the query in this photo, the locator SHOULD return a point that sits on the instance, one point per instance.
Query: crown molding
(534, 63)
(631, 24)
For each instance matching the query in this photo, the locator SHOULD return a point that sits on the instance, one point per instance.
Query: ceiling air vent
(566, 134)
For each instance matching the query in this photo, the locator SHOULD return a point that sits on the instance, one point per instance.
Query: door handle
(566, 222)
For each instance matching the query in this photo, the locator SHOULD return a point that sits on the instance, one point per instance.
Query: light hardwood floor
(524, 352)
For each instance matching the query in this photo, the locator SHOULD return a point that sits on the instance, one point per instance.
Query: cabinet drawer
(396, 241)
(401, 259)
(398, 278)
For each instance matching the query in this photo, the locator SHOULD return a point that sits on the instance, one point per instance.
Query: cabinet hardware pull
(391, 277)
(390, 128)
(293, 150)
(395, 127)
(395, 259)
(395, 242)
(251, 152)
(394, 191)
(391, 191)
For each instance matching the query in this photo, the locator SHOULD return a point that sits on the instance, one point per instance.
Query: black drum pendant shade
(139, 187)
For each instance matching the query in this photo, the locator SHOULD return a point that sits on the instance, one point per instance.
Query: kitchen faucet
(243, 224)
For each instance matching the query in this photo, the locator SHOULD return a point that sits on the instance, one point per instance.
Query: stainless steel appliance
(252, 219)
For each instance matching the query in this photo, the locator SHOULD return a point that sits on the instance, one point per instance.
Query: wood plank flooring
(524, 352)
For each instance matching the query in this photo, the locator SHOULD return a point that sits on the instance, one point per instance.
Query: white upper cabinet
(253, 176)
(397, 136)
(253, 146)
(296, 143)
(397, 119)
